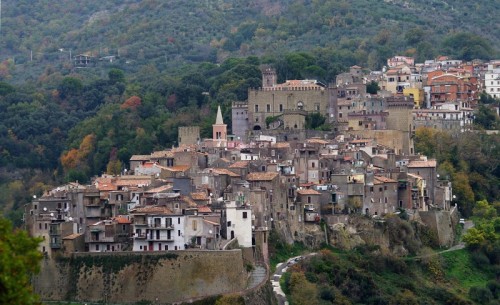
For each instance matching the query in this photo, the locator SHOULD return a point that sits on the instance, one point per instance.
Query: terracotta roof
(224, 171)
(308, 192)
(105, 184)
(176, 168)
(417, 164)
(239, 164)
(317, 141)
(162, 154)
(382, 179)
(415, 176)
(211, 222)
(122, 220)
(141, 180)
(152, 209)
(190, 202)
(262, 176)
(72, 236)
(199, 196)
(140, 158)
(159, 189)
(204, 209)
(306, 184)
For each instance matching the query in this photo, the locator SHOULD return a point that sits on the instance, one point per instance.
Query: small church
(190, 135)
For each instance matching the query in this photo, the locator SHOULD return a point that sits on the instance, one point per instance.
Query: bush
(480, 260)
(494, 287)
(481, 295)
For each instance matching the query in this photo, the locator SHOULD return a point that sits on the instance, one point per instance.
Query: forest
(172, 34)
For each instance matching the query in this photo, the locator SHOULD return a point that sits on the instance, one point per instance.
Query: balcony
(139, 236)
(168, 226)
(160, 238)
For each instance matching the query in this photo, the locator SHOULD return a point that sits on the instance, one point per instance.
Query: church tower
(219, 130)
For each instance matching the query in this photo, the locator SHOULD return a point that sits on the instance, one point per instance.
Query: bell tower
(219, 131)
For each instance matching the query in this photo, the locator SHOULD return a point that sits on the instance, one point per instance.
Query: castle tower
(400, 118)
(219, 131)
(269, 78)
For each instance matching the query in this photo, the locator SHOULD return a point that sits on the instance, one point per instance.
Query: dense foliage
(366, 277)
(167, 34)
(19, 259)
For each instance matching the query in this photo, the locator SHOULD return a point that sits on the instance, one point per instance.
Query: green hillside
(168, 34)
(370, 278)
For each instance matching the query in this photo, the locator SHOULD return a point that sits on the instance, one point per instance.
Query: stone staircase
(257, 276)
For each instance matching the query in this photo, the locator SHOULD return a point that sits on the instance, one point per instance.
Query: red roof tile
(261, 176)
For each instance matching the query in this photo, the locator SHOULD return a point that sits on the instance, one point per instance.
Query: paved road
(280, 269)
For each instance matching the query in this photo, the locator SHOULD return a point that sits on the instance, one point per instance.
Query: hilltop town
(302, 156)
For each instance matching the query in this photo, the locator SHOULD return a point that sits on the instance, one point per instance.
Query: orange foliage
(77, 157)
(131, 103)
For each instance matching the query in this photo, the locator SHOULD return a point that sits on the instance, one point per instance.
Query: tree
(70, 86)
(372, 87)
(116, 76)
(19, 259)
(302, 291)
(486, 117)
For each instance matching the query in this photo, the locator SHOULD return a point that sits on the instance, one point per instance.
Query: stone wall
(131, 277)
(443, 223)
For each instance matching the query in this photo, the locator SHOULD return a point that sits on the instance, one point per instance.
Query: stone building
(189, 135)
(274, 100)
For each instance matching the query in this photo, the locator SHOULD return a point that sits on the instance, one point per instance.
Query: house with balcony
(157, 228)
(109, 235)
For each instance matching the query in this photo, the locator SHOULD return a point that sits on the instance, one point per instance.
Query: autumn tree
(114, 166)
(302, 291)
(19, 259)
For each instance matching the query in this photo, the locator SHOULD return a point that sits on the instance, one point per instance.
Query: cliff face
(394, 235)
(132, 277)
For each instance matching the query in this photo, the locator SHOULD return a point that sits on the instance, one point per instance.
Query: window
(385, 187)
(166, 247)
(313, 164)
(308, 199)
(228, 224)
(371, 188)
(244, 215)
(194, 225)
(256, 108)
(178, 220)
(178, 232)
(36, 206)
(268, 108)
(40, 226)
(97, 247)
(45, 226)
(281, 107)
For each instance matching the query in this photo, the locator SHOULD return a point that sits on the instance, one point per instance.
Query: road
(281, 268)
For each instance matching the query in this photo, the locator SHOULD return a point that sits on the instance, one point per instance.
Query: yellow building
(417, 94)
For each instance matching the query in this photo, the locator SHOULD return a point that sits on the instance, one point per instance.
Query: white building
(238, 223)
(157, 228)
(492, 82)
